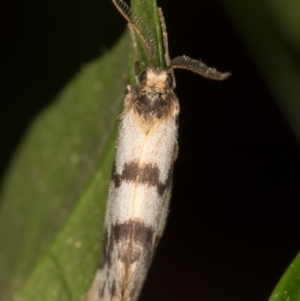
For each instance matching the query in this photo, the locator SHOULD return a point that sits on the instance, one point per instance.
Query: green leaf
(147, 11)
(55, 192)
(258, 23)
(54, 195)
(288, 288)
(286, 16)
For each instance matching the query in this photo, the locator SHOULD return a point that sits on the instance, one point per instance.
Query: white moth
(140, 187)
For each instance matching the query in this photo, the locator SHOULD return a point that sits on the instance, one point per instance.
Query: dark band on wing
(134, 239)
(129, 240)
(133, 236)
(147, 174)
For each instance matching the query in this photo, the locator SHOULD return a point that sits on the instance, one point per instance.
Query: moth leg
(136, 53)
(166, 44)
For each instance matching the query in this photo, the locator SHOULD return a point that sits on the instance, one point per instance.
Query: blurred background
(234, 217)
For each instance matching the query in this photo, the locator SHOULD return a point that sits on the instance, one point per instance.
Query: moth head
(158, 79)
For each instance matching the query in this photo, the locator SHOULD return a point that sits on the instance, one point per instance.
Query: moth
(140, 187)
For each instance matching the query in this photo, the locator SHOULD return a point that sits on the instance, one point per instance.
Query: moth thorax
(151, 104)
(153, 100)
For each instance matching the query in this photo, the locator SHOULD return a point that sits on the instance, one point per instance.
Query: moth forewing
(140, 187)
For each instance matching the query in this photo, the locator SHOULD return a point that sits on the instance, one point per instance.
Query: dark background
(234, 217)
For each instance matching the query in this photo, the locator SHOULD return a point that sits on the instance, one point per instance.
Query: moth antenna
(184, 62)
(141, 29)
(166, 44)
(136, 53)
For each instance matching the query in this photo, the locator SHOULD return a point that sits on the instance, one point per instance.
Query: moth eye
(143, 77)
(170, 80)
